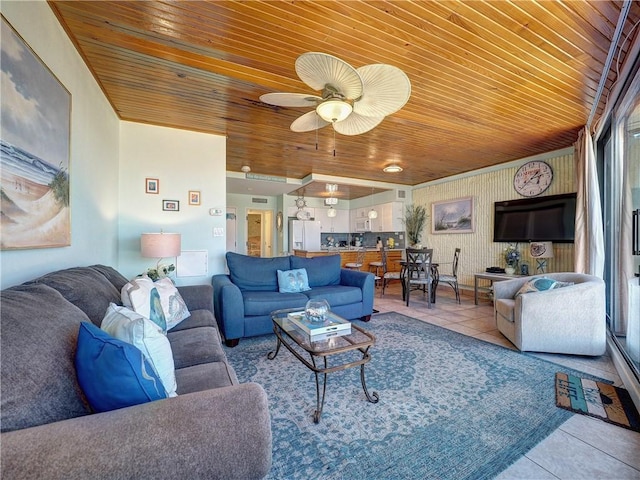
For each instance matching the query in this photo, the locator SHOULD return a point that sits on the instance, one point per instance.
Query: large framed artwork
(452, 216)
(35, 149)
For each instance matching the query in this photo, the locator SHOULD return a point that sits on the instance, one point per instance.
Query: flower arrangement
(160, 271)
(512, 255)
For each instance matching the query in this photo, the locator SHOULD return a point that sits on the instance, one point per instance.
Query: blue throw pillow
(293, 281)
(539, 284)
(112, 373)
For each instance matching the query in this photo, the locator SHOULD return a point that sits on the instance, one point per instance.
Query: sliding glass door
(621, 158)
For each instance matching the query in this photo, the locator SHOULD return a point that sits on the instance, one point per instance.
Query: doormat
(597, 399)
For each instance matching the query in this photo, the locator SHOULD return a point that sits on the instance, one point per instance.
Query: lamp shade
(160, 245)
(541, 249)
(334, 110)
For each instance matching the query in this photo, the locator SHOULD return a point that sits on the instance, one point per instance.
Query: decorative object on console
(533, 178)
(160, 245)
(541, 251)
(414, 221)
(511, 258)
(344, 103)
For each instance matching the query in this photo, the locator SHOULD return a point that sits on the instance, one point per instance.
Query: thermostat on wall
(215, 212)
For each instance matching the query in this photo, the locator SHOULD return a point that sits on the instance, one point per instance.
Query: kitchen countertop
(348, 249)
(353, 249)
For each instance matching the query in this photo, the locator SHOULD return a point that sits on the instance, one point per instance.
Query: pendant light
(372, 213)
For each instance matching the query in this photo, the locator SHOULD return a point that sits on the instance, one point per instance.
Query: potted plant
(414, 221)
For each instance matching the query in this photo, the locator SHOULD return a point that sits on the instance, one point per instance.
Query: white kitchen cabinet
(337, 224)
(389, 217)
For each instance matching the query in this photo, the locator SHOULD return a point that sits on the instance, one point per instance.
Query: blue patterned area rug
(451, 406)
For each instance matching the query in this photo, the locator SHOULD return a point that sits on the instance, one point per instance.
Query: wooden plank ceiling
(492, 81)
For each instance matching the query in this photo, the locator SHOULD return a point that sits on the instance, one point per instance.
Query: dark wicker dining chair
(418, 273)
(452, 280)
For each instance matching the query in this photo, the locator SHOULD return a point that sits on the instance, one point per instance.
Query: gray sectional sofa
(215, 428)
(244, 299)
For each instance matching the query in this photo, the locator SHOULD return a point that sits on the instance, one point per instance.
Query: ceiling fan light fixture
(393, 168)
(334, 110)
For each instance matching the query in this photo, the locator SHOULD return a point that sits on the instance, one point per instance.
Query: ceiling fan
(353, 100)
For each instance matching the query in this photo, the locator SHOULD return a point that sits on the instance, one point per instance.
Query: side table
(492, 277)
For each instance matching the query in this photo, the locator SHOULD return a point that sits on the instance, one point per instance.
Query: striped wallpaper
(478, 251)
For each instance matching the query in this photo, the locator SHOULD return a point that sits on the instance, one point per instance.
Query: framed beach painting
(35, 113)
(452, 216)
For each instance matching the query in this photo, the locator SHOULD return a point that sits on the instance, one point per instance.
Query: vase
(316, 310)
(510, 270)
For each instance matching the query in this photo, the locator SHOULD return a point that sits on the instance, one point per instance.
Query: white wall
(93, 166)
(182, 161)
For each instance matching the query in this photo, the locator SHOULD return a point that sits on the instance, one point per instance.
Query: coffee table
(324, 357)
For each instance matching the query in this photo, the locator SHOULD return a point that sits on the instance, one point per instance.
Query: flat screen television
(540, 219)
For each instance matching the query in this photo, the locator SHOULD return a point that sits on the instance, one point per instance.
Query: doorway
(259, 233)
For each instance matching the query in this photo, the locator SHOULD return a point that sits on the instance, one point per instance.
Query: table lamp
(160, 245)
(541, 251)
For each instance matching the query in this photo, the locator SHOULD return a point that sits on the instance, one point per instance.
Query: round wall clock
(533, 178)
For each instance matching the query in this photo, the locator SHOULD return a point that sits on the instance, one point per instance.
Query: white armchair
(569, 320)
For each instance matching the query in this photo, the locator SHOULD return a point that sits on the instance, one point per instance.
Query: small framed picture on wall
(194, 197)
(151, 185)
(171, 205)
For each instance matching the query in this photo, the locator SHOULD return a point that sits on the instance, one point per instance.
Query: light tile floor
(582, 447)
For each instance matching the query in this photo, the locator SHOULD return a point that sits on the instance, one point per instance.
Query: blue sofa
(244, 299)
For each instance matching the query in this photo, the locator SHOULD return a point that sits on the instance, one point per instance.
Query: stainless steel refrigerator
(304, 235)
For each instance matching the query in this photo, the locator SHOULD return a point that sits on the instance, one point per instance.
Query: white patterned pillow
(142, 296)
(138, 294)
(133, 328)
